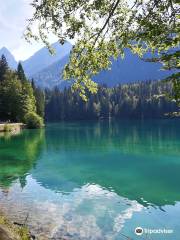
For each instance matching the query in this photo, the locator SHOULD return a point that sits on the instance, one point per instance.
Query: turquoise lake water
(94, 180)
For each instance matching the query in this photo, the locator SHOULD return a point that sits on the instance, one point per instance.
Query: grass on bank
(12, 231)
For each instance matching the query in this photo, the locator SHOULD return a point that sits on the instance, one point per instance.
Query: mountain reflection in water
(93, 180)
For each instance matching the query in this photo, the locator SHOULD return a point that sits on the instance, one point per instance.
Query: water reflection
(93, 180)
(139, 161)
(129, 136)
(18, 155)
(87, 213)
(77, 215)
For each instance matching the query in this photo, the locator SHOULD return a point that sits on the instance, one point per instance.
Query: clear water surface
(93, 180)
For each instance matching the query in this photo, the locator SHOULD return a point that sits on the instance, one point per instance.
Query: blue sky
(13, 15)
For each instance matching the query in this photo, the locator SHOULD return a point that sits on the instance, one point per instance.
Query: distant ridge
(9, 57)
(132, 69)
(46, 69)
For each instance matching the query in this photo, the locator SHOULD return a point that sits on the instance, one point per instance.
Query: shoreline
(11, 127)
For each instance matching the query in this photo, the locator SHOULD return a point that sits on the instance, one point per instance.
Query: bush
(33, 120)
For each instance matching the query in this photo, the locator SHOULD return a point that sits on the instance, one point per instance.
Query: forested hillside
(138, 100)
(20, 101)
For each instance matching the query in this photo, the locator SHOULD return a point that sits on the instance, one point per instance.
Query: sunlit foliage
(102, 29)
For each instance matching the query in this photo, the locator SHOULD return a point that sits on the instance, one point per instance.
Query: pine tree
(40, 99)
(3, 67)
(17, 97)
(28, 101)
(33, 84)
(10, 94)
(20, 73)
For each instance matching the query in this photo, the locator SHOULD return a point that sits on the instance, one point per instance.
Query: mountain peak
(4, 49)
(42, 58)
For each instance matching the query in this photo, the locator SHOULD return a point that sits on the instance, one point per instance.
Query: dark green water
(93, 180)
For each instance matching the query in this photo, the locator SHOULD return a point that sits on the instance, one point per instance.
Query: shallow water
(93, 180)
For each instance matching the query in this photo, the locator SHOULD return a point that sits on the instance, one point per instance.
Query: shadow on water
(137, 160)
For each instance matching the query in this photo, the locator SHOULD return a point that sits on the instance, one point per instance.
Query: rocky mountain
(10, 58)
(42, 58)
(46, 69)
(51, 76)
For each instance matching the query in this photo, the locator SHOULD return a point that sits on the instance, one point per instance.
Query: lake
(94, 180)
